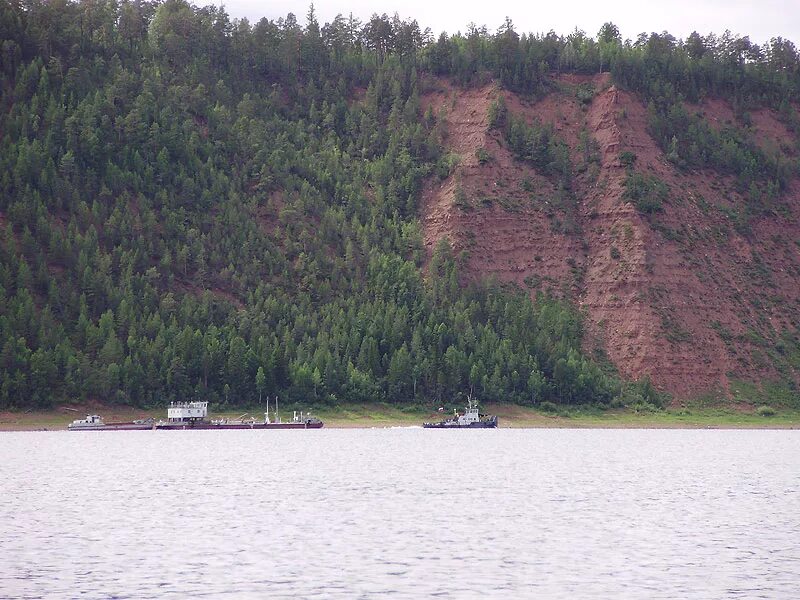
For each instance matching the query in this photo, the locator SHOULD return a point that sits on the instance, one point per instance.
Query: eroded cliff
(686, 294)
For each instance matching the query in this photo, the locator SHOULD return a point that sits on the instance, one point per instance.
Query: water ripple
(403, 512)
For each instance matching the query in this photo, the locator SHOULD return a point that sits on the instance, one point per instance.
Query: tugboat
(96, 423)
(90, 422)
(470, 419)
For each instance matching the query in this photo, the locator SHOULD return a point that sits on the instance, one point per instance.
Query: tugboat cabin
(89, 422)
(187, 412)
(470, 416)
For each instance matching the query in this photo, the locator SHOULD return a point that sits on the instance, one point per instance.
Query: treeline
(202, 43)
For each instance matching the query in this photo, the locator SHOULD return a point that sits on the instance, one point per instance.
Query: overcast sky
(760, 19)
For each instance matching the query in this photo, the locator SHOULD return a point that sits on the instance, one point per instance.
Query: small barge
(471, 419)
(96, 423)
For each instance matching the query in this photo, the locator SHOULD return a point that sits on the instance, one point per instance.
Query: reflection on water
(406, 512)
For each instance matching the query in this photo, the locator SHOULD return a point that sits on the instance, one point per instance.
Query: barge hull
(115, 427)
(481, 425)
(183, 426)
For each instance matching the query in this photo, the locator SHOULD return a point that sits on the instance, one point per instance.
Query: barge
(96, 423)
(194, 415)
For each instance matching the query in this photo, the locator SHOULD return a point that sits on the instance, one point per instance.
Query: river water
(406, 513)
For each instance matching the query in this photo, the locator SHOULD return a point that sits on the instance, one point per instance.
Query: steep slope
(483, 208)
(686, 294)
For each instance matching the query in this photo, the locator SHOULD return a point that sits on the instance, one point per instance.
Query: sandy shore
(381, 415)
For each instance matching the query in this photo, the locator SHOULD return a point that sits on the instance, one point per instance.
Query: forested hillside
(194, 207)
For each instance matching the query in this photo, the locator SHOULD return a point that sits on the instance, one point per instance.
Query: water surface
(406, 513)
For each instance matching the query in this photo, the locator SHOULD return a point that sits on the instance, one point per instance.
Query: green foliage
(195, 208)
(526, 184)
(776, 393)
(641, 396)
(690, 141)
(667, 72)
(627, 158)
(585, 93)
(497, 113)
(766, 411)
(660, 66)
(447, 164)
(538, 145)
(647, 192)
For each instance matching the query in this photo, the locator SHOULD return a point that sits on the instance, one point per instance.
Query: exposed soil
(686, 296)
(771, 134)
(483, 209)
(717, 112)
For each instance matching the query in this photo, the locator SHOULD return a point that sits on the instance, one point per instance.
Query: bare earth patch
(681, 296)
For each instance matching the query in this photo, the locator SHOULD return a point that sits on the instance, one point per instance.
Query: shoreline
(374, 416)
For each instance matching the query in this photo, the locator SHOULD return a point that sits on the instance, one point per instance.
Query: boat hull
(116, 427)
(209, 425)
(489, 423)
(95, 423)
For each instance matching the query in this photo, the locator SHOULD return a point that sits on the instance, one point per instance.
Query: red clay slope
(680, 296)
(501, 226)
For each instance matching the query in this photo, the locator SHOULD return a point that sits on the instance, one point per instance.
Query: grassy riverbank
(514, 416)
(383, 415)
